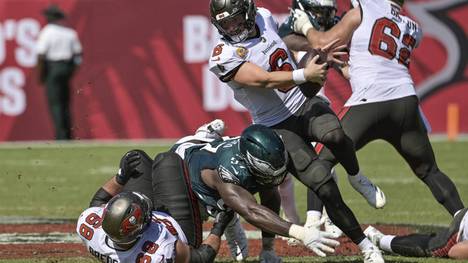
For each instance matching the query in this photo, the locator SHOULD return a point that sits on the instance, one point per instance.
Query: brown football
(310, 89)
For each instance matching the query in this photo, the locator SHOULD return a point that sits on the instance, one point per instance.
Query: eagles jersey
(268, 51)
(380, 53)
(157, 244)
(223, 156)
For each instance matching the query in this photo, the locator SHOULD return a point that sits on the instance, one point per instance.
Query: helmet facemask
(320, 12)
(264, 172)
(236, 26)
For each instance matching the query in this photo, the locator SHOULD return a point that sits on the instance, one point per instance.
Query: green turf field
(58, 180)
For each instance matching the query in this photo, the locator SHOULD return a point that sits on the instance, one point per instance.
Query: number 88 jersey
(268, 51)
(380, 53)
(157, 244)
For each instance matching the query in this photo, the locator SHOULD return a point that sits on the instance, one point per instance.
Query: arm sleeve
(76, 48)
(41, 44)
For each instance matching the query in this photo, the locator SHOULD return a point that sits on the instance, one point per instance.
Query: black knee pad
(141, 183)
(172, 190)
(334, 138)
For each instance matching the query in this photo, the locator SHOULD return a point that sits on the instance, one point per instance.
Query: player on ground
(226, 173)
(123, 227)
(383, 104)
(451, 242)
(256, 64)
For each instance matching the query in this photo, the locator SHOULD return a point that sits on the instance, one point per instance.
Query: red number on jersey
(142, 258)
(86, 231)
(384, 44)
(150, 247)
(94, 220)
(168, 225)
(278, 63)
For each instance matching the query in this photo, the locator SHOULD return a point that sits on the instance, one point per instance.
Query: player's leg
(172, 192)
(413, 144)
(360, 123)
(312, 172)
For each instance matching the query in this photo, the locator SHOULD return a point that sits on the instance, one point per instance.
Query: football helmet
(265, 155)
(126, 217)
(323, 12)
(234, 19)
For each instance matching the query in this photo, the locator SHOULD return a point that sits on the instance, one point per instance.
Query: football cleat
(331, 228)
(374, 235)
(373, 255)
(213, 129)
(372, 193)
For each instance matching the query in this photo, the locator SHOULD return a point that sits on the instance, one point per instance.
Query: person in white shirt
(59, 53)
(450, 242)
(383, 104)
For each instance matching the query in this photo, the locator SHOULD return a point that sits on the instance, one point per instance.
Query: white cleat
(374, 235)
(373, 255)
(372, 193)
(214, 128)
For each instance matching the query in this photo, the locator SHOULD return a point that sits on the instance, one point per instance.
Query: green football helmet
(322, 13)
(265, 155)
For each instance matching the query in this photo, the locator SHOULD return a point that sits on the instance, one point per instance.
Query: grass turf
(58, 180)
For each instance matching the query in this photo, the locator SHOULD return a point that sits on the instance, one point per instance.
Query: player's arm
(296, 42)
(251, 75)
(210, 246)
(271, 199)
(459, 250)
(343, 30)
(41, 69)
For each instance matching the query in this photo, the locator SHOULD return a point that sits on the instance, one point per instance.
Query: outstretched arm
(459, 251)
(343, 30)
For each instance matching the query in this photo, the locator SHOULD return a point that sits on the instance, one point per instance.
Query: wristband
(298, 76)
(297, 232)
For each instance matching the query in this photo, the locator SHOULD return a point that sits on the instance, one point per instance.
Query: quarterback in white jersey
(156, 244)
(257, 65)
(384, 104)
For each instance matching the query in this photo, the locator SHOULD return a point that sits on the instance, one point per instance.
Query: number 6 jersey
(268, 51)
(157, 243)
(380, 53)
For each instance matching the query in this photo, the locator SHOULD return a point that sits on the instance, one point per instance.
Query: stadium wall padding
(145, 73)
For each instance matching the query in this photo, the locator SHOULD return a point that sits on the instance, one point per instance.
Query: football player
(451, 242)
(383, 104)
(124, 227)
(255, 62)
(226, 173)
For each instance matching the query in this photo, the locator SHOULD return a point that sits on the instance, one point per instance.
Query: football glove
(316, 240)
(128, 165)
(301, 22)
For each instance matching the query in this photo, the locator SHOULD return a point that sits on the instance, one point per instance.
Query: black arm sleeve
(205, 253)
(100, 197)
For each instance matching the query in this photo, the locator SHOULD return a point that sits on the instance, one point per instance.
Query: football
(310, 89)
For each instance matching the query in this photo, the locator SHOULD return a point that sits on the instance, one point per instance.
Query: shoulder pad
(226, 176)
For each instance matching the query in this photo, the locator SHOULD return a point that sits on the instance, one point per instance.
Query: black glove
(221, 221)
(128, 165)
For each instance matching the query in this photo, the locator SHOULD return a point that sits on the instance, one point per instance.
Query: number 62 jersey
(380, 53)
(157, 243)
(268, 51)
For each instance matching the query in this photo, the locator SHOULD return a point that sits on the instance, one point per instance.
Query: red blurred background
(145, 74)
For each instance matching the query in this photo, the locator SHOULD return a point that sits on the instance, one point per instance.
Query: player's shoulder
(90, 211)
(264, 12)
(286, 27)
(231, 168)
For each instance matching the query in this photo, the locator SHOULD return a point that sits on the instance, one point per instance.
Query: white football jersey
(268, 51)
(380, 53)
(157, 244)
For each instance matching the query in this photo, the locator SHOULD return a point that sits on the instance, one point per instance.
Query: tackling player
(123, 227)
(383, 104)
(451, 242)
(257, 65)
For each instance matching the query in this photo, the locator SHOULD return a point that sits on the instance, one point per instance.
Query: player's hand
(319, 242)
(128, 165)
(314, 72)
(222, 220)
(301, 22)
(269, 256)
(334, 53)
